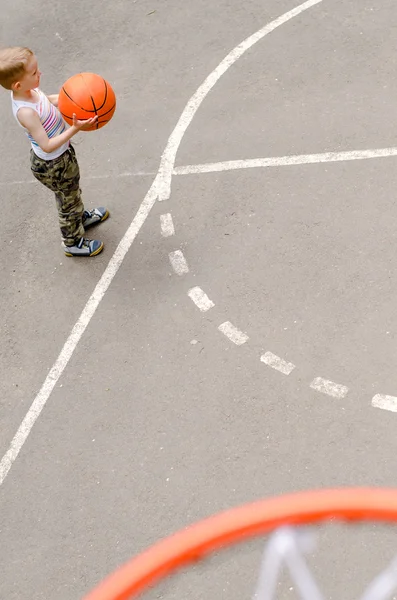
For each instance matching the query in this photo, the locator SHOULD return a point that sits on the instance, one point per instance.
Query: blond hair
(13, 64)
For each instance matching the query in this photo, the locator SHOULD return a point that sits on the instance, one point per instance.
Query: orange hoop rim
(241, 523)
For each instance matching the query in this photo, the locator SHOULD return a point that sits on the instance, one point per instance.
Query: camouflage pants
(62, 176)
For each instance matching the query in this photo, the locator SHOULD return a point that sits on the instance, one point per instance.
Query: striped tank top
(50, 118)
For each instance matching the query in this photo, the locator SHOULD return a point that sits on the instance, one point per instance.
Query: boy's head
(18, 69)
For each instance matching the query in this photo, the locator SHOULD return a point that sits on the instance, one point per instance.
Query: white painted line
(178, 262)
(200, 299)
(385, 402)
(77, 332)
(329, 387)
(282, 161)
(160, 189)
(167, 225)
(21, 182)
(234, 334)
(277, 363)
(168, 159)
(126, 174)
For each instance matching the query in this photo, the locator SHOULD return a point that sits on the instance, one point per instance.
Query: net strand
(384, 584)
(288, 546)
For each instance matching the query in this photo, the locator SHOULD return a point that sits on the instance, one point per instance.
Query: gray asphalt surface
(158, 419)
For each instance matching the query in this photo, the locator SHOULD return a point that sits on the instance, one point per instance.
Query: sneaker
(95, 216)
(85, 247)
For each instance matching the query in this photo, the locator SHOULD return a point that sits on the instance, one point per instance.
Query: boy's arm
(53, 98)
(31, 121)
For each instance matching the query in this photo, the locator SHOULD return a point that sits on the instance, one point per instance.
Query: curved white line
(169, 155)
(160, 189)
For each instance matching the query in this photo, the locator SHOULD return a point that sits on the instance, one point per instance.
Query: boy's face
(31, 77)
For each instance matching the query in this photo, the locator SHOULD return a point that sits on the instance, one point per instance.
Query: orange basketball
(87, 95)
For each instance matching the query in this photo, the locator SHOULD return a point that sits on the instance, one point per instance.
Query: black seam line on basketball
(99, 116)
(71, 118)
(97, 124)
(106, 94)
(96, 112)
(108, 111)
(100, 122)
(74, 102)
(93, 104)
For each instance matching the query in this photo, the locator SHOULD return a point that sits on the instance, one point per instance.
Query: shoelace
(84, 242)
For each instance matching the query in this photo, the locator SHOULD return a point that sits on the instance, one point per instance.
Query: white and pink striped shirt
(50, 118)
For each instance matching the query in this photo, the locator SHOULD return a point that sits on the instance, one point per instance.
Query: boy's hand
(84, 125)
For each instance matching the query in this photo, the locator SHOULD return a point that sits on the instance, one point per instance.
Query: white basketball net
(287, 547)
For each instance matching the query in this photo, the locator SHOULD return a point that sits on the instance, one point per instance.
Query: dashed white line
(200, 299)
(167, 225)
(178, 262)
(235, 335)
(160, 189)
(329, 387)
(277, 363)
(385, 402)
(282, 161)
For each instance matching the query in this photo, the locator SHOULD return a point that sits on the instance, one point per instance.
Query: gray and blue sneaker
(94, 216)
(84, 247)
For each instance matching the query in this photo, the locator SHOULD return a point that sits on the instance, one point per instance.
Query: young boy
(53, 159)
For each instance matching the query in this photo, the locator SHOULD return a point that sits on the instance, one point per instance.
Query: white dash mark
(167, 225)
(385, 402)
(200, 299)
(277, 363)
(234, 334)
(329, 387)
(178, 262)
(59, 37)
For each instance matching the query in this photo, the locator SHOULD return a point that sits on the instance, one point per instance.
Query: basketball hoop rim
(240, 523)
